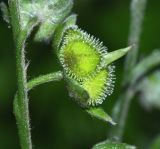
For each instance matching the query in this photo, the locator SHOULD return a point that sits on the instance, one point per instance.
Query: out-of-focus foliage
(156, 143)
(150, 91)
(56, 121)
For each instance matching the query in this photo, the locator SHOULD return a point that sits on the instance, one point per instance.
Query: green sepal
(112, 145)
(60, 30)
(77, 92)
(99, 113)
(100, 86)
(80, 53)
(96, 88)
(113, 56)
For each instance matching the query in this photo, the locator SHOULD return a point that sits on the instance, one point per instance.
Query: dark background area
(58, 122)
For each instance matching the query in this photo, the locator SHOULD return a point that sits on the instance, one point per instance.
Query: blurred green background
(57, 122)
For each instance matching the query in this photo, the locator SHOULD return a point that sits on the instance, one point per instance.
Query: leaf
(56, 11)
(112, 145)
(50, 14)
(156, 143)
(99, 113)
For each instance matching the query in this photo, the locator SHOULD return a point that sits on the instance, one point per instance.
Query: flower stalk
(121, 108)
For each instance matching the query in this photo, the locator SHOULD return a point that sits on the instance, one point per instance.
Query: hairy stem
(119, 114)
(143, 67)
(21, 109)
(121, 108)
(137, 9)
(55, 76)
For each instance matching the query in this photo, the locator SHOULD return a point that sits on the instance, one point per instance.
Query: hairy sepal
(94, 90)
(76, 91)
(60, 30)
(81, 54)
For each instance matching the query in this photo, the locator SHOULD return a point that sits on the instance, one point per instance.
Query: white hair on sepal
(84, 37)
(108, 88)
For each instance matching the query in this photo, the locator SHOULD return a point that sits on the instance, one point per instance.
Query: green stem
(143, 67)
(23, 122)
(119, 114)
(137, 9)
(55, 76)
(21, 109)
(121, 108)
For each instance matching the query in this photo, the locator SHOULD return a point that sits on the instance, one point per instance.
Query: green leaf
(99, 113)
(112, 56)
(156, 143)
(50, 14)
(112, 145)
(54, 12)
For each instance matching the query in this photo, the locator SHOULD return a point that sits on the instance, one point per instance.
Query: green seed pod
(81, 55)
(100, 86)
(94, 90)
(86, 64)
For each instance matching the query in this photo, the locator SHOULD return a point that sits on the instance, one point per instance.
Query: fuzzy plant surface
(86, 64)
